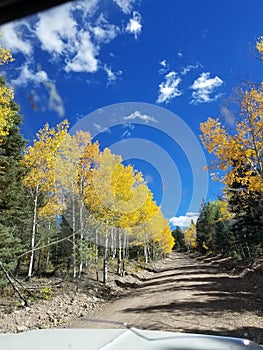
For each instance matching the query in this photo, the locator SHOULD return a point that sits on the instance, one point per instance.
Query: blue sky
(142, 75)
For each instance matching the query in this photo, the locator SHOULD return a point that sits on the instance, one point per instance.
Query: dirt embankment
(182, 294)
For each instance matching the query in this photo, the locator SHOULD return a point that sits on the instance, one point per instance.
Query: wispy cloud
(55, 29)
(88, 8)
(165, 67)
(184, 220)
(149, 179)
(28, 75)
(112, 76)
(138, 115)
(134, 26)
(190, 67)
(125, 5)
(228, 115)
(55, 100)
(73, 35)
(168, 89)
(84, 59)
(103, 30)
(101, 128)
(204, 87)
(12, 39)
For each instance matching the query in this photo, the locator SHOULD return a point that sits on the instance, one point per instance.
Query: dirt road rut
(187, 295)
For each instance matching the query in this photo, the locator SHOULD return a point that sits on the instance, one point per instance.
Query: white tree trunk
(105, 260)
(113, 243)
(81, 218)
(119, 252)
(74, 237)
(97, 254)
(146, 249)
(33, 237)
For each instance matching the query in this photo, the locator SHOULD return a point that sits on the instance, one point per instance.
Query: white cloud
(85, 59)
(180, 54)
(168, 89)
(138, 115)
(55, 29)
(163, 63)
(165, 67)
(55, 100)
(125, 5)
(184, 220)
(149, 179)
(104, 31)
(12, 39)
(134, 26)
(29, 75)
(87, 7)
(228, 115)
(72, 34)
(101, 128)
(112, 76)
(203, 87)
(190, 67)
(58, 33)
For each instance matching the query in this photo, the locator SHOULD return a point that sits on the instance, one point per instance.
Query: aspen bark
(33, 237)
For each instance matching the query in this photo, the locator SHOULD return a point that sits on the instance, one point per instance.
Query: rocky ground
(182, 293)
(58, 301)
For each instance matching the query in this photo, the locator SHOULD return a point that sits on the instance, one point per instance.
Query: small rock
(54, 321)
(21, 328)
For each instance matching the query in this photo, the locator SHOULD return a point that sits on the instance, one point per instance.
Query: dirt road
(188, 295)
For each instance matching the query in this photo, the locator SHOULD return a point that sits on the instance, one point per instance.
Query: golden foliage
(6, 97)
(41, 159)
(62, 166)
(190, 236)
(240, 153)
(259, 46)
(226, 215)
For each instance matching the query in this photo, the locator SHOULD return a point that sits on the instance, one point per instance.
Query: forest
(233, 224)
(65, 204)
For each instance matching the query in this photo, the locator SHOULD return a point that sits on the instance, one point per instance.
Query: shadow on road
(189, 295)
(212, 293)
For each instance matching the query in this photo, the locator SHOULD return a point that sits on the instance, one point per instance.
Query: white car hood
(118, 339)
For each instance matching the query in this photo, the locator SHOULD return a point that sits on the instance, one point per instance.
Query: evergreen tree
(221, 232)
(178, 236)
(201, 228)
(213, 228)
(14, 213)
(63, 251)
(247, 223)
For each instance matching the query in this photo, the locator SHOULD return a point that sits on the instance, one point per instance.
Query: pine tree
(202, 228)
(178, 235)
(247, 223)
(14, 209)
